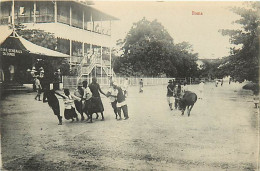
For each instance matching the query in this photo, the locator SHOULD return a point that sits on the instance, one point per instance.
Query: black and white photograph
(129, 85)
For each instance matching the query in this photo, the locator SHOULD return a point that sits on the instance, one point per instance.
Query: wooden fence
(71, 81)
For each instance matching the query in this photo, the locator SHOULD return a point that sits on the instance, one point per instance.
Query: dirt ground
(220, 134)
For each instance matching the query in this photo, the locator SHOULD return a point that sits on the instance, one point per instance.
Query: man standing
(11, 70)
(201, 89)
(38, 88)
(125, 87)
(95, 89)
(112, 94)
(170, 91)
(141, 85)
(121, 102)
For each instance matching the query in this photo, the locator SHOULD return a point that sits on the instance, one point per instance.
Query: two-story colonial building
(83, 32)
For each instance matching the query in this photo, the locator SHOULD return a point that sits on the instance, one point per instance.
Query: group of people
(174, 92)
(86, 99)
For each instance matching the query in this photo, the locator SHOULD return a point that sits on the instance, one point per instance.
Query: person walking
(201, 90)
(125, 87)
(38, 88)
(95, 89)
(141, 85)
(170, 92)
(121, 101)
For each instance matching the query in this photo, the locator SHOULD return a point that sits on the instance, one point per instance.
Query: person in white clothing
(11, 70)
(125, 87)
(69, 112)
(112, 94)
(201, 90)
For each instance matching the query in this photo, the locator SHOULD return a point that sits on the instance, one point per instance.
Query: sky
(201, 31)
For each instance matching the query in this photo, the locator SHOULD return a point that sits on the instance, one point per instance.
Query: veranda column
(34, 11)
(13, 17)
(70, 16)
(110, 55)
(70, 52)
(83, 20)
(55, 12)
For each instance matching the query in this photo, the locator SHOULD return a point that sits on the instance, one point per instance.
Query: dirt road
(220, 134)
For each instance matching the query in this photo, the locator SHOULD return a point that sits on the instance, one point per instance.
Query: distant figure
(201, 90)
(11, 70)
(177, 94)
(125, 87)
(38, 88)
(221, 82)
(229, 81)
(141, 85)
(184, 88)
(170, 92)
(256, 98)
(216, 83)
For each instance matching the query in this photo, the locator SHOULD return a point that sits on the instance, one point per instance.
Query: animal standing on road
(188, 100)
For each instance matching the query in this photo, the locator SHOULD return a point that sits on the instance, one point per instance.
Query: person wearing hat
(170, 92)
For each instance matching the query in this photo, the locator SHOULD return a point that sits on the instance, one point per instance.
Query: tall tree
(243, 62)
(148, 50)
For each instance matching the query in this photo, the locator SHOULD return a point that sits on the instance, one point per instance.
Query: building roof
(97, 14)
(18, 43)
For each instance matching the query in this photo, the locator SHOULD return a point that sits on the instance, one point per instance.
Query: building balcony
(48, 18)
(72, 33)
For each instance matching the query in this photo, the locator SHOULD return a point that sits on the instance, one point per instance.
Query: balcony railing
(45, 18)
(23, 19)
(63, 19)
(77, 23)
(5, 20)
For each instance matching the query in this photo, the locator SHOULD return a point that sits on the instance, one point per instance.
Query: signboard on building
(10, 52)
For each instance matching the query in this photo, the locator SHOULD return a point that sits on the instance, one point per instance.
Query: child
(69, 112)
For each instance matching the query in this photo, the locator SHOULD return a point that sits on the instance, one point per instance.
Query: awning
(16, 44)
(35, 49)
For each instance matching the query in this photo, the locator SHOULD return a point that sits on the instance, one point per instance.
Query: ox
(188, 100)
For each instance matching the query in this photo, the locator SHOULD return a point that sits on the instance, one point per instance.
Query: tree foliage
(148, 50)
(243, 62)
